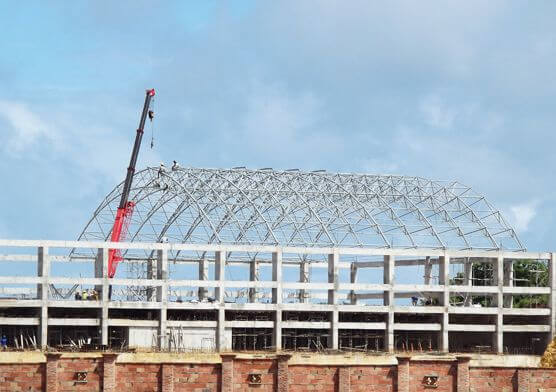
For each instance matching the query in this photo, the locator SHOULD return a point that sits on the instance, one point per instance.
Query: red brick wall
(22, 377)
(190, 377)
(492, 379)
(242, 369)
(446, 372)
(138, 377)
(295, 377)
(67, 367)
(542, 378)
(303, 378)
(372, 378)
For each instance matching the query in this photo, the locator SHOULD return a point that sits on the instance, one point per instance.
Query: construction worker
(414, 300)
(85, 295)
(175, 166)
(4, 342)
(161, 169)
(77, 295)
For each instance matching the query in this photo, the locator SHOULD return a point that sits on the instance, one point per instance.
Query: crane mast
(125, 208)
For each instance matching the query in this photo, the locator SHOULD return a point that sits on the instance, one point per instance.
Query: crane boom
(125, 208)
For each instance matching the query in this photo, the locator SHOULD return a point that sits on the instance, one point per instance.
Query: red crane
(125, 209)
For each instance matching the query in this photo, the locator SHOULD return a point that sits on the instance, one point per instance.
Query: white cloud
(521, 215)
(25, 127)
(436, 113)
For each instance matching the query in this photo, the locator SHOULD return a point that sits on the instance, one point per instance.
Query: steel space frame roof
(308, 209)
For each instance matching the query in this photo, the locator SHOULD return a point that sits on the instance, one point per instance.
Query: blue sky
(446, 90)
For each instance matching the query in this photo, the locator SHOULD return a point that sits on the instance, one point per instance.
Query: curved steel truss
(294, 208)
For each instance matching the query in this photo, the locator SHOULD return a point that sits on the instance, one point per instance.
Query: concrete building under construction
(253, 260)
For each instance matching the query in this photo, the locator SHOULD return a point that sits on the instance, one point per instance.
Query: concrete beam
(419, 252)
(472, 328)
(418, 326)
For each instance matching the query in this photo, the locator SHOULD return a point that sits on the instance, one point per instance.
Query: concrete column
(353, 279)
(253, 277)
(151, 274)
(303, 278)
(101, 268)
(219, 275)
(444, 279)
(428, 270)
(43, 271)
(52, 371)
(109, 372)
(221, 329)
(462, 383)
(227, 372)
(344, 382)
(282, 376)
(203, 275)
(167, 377)
(508, 281)
(333, 260)
(162, 295)
(277, 299)
(403, 373)
(523, 377)
(498, 275)
(468, 270)
(389, 279)
(552, 304)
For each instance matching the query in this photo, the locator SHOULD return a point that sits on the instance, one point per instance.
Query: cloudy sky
(448, 90)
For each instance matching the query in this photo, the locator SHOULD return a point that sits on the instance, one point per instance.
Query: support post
(43, 271)
(498, 275)
(388, 296)
(333, 261)
(463, 382)
(353, 279)
(162, 295)
(508, 281)
(552, 270)
(428, 270)
(102, 261)
(51, 382)
(151, 274)
(344, 379)
(167, 377)
(282, 372)
(219, 275)
(203, 275)
(303, 278)
(403, 373)
(468, 266)
(523, 377)
(444, 279)
(277, 299)
(227, 372)
(253, 277)
(109, 372)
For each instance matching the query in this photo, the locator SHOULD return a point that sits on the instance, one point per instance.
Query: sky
(446, 90)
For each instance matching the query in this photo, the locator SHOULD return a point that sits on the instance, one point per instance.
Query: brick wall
(198, 377)
(231, 373)
(445, 371)
(22, 377)
(303, 378)
(372, 378)
(492, 379)
(138, 377)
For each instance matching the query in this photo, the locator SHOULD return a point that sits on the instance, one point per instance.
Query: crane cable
(151, 116)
